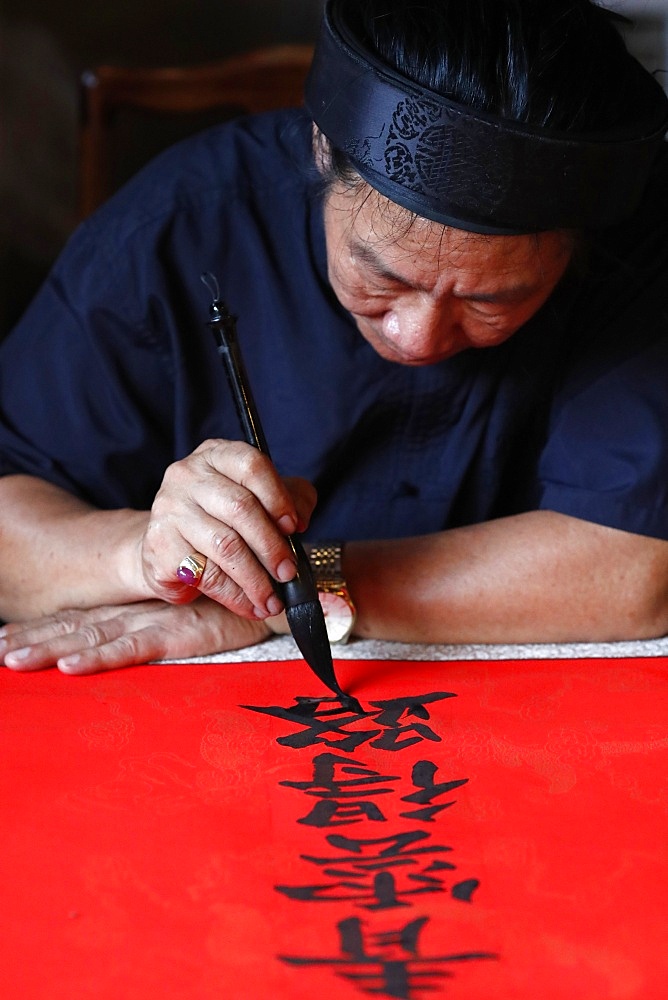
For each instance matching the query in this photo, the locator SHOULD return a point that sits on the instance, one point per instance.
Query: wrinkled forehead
(374, 225)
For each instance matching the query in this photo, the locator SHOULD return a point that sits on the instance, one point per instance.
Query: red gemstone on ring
(187, 575)
(190, 570)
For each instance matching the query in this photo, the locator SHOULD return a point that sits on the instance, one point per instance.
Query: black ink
(325, 784)
(319, 726)
(327, 814)
(329, 726)
(464, 890)
(389, 963)
(366, 873)
(392, 711)
(423, 777)
(380, 874)
(361, 785)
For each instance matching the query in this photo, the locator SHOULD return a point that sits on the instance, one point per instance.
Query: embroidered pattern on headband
(460, 167)
(424, 154)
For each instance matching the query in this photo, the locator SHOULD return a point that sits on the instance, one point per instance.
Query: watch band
(338, 606)
(326, 562)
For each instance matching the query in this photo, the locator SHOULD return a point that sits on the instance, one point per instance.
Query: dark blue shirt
(113, 374)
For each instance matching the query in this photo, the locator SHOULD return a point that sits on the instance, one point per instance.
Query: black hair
(556, 64)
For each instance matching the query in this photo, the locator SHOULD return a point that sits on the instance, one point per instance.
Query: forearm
(58, 552)
(536, 577)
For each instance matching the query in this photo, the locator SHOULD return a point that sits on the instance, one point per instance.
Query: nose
(421, 328)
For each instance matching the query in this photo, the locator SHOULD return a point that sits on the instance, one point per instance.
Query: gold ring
(190, 569)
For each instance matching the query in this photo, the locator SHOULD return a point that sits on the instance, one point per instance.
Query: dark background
(44, 46)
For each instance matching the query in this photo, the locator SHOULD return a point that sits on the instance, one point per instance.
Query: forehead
(382, 234)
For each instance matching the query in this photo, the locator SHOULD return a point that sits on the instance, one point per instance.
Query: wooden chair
(260, 80)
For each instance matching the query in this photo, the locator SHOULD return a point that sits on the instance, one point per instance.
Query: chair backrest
(261, 80)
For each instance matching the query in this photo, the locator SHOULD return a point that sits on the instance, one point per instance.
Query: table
(493, 825)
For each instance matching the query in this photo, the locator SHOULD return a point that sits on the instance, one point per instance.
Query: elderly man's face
(422, 292)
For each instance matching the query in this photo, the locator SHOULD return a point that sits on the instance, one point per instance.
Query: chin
(411, 360)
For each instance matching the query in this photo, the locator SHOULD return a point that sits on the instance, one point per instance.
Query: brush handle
(302, 588)
(300, 595)
(224, 328)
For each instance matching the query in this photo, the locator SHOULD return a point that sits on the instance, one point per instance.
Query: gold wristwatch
(334, 597)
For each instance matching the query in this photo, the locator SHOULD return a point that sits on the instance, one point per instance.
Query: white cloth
(284, 648)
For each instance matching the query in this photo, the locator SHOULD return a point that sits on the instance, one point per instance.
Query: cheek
(483, 335)
(482, 331)
(488, 330)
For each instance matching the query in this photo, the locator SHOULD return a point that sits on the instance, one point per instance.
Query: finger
(42, 648)
(191, 568)
(233, 574)
(225, 522)
(126, 650)
(199, 571)
(157, 631)
(233, 521)
(263, 602)
(305, 497)
(17, 639)
(209, 580)
(111, 637)
(242, 463)
(73, 641)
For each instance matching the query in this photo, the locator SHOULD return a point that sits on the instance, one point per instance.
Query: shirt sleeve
(85, 383)
(606, 454)
(112, 374)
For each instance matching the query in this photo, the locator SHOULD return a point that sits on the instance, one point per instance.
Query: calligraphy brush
(300, 597)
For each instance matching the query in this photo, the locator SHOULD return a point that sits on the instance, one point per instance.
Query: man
(491, 449)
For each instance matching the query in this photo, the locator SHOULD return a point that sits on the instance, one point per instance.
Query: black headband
(474, 171)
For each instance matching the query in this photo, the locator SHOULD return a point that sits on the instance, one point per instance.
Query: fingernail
(18, 655)
(3, 647)
(274, 605)
(260, 613)
(287, 524)
(3, 630)
(68, 662)
(286, 571)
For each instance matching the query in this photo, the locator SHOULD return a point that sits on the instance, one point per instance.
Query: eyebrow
(514, 293)
(368, 256)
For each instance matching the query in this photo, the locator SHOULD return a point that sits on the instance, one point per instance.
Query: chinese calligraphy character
(394, 723)
(390, 963)
(378, 877)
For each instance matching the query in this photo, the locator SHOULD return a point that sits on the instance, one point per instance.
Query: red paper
(487, 829)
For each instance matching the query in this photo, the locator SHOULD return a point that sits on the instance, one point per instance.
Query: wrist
(129, 554)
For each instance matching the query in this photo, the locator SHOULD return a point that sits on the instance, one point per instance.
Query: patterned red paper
(485, 829)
